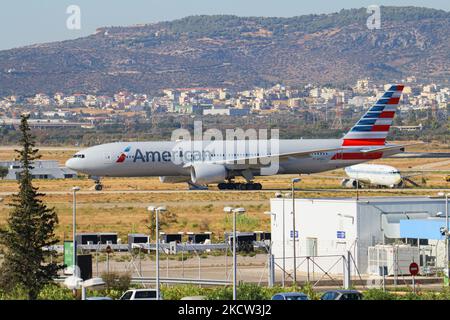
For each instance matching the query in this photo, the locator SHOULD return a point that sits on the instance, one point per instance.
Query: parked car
(290, 296)
(342, 295)
(140, 294)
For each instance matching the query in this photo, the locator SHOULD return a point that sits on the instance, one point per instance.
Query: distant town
(88, 111)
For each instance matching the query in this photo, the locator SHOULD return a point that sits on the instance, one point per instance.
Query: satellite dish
(73, 282)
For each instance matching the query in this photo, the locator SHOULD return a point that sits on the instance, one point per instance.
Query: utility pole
(294, 280)
(446, 234)
(234, 211)
(157, 210)
(447, 269)
(74, 223)
(271, 264)
(74, 235)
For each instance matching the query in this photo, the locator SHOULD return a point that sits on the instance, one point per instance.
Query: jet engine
(350, 183)
(174, 179)
(208, 173)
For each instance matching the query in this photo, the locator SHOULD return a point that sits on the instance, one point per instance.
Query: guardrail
(152, 280)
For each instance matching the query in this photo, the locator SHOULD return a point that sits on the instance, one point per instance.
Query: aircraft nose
(71, 164)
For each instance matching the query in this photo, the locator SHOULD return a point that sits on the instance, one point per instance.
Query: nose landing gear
(98, 184)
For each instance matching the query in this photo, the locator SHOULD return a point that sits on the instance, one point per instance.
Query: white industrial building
(42, 169)
(327, 229)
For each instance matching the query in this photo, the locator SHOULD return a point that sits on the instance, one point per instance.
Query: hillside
(237, 52)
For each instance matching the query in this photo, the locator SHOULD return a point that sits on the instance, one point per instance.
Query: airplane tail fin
(373, 128)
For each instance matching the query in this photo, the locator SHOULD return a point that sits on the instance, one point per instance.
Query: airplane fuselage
(375, 175)
(157, 158)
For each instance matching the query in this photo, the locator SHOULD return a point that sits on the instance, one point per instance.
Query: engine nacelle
(350, 183)
(174, 179)
(208, 173)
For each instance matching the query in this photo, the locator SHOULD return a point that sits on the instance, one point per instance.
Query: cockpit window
(78, 155)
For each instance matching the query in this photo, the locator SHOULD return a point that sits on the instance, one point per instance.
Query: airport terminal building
(327, 229)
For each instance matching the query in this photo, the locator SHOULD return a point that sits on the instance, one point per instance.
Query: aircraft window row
(238, 154)
(78, 156)
(376, 172)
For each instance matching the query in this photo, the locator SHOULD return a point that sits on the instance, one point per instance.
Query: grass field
(116, 210)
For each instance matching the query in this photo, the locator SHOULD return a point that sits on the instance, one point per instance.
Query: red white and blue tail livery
(373, 128)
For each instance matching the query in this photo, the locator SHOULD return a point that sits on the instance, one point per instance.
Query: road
(238, 191)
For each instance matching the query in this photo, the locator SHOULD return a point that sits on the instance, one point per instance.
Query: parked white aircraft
(208, 162)
(374, 175)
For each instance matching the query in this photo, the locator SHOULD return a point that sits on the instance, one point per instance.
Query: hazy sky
(24, 22)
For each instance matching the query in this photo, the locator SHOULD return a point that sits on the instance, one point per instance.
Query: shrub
(55, 292)
(178, 292)
(225, 293)
(15, 294)
(378, 294)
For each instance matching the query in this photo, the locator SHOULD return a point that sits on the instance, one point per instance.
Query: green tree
(3, 172)
(30, 227)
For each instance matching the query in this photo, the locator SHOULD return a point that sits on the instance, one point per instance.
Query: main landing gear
(98, 185)
(239, 186)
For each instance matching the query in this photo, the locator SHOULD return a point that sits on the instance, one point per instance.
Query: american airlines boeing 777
(208, 162)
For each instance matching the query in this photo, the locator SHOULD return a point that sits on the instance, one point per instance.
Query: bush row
(244, 291)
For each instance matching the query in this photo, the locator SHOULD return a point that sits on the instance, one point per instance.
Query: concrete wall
(316, 221)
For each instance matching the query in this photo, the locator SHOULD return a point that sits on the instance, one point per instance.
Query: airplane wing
(335, 177)
(263, 160)
(410, 175)
(421, 155)
(422, 171)
(326, 177)
(390, 147)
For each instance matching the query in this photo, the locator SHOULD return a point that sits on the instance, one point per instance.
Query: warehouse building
(42, 169)
(327, 229)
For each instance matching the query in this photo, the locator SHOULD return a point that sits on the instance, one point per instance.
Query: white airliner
(374, 175)
(218, 161)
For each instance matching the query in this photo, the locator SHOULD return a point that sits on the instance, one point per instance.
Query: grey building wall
(42, 169)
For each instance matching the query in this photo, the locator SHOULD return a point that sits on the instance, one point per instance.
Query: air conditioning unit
(396, 258)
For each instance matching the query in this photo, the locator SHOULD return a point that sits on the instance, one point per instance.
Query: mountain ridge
(237, 52)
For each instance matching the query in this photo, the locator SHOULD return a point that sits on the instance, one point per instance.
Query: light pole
(447, 269)
(271, 262)
(157, 210)
(284, 246)
(294, 180)
(234, 211)
(283, 279)
(74, 222)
